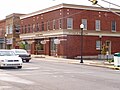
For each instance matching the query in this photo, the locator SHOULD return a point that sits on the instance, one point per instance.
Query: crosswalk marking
(5, 87)
(10, 78)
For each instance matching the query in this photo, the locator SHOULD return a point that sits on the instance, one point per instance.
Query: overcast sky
(27, 6)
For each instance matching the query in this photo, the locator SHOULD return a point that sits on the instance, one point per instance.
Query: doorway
(108, 46)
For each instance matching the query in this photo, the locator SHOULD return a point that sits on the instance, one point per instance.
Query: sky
(8, 7)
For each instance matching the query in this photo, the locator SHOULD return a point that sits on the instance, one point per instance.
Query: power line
(95, 2)
(111, 3)
(109, 10)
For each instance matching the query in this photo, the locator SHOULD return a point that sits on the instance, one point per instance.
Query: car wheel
(27, 60)
(19, 67)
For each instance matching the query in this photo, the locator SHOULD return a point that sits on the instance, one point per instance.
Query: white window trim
(99, 25)
(54, 22)
(115, 27)
(71, 23)
(84, 24)
(60, 23)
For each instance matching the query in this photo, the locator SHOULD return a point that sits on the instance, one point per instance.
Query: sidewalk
(96, 63)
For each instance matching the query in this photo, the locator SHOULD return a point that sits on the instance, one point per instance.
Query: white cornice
(57, 33)
(66, 6)
(103, 34)
(42, 11)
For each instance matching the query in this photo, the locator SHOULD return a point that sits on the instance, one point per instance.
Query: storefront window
(39, 46)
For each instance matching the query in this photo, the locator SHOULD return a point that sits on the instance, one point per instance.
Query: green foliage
(110, 60)
(104, 50)
(22, 45)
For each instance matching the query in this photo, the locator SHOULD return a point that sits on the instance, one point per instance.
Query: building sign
(56, 41)
(9, 40)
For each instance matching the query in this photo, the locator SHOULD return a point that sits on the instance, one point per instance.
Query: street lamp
(100, 37)
(81, 27)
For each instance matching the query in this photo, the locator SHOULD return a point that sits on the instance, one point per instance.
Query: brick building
(12, 28)
(55, 31)
(2, 33)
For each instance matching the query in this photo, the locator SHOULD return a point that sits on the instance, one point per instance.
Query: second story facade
(67, 18)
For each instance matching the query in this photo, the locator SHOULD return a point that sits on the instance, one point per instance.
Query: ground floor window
(98, 45)
(39, 46)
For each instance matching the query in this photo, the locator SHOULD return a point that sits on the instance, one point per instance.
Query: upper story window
(42, 26)
(33, 27)
(28, 28)
(97, 25)
(84, 22)
(7, 28)
(69, 23)
(37, 27)
(21, 29)
(17, 29)
(48, 25)
(25, 29)
(10, 29)
(60, 23)
(54, 22)
(113, 26)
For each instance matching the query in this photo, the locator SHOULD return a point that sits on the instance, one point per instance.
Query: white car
(9, 59)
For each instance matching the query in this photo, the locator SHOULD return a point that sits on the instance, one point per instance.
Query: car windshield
(7, 53)
(20, 51)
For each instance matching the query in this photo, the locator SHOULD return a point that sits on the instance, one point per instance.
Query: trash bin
(117, 59)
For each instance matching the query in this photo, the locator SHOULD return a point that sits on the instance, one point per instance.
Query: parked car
(23, 54)
(9, 59)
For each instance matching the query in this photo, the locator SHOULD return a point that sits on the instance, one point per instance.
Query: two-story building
(12, 30)
(55, 31)
(2, 34)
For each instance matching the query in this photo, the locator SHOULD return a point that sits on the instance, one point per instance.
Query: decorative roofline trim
(66, 6)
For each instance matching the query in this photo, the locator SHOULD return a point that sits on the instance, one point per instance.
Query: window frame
(113, 25)
(84, 22)
(69, 23)
(97, 25)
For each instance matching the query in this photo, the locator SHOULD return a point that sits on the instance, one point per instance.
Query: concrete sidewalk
(96, 63)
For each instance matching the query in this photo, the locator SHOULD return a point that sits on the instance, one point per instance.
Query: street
(43, 74)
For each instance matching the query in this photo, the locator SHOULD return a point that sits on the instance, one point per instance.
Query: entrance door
(108, 45)
(52, 47)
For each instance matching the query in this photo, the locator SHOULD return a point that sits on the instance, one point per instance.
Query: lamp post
(81, 27)
(100, 37)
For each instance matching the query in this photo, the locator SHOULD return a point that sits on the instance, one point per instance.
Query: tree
(104, 49)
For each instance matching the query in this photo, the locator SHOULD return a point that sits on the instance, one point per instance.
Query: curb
(89, 63)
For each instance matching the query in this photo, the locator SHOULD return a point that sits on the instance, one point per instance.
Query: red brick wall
(89, 45)
(2, 28)
(71, 47)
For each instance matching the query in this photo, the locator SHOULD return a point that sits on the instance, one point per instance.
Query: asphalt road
(41, 74)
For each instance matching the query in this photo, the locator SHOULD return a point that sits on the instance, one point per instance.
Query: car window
(20, 51)
(7, 53)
